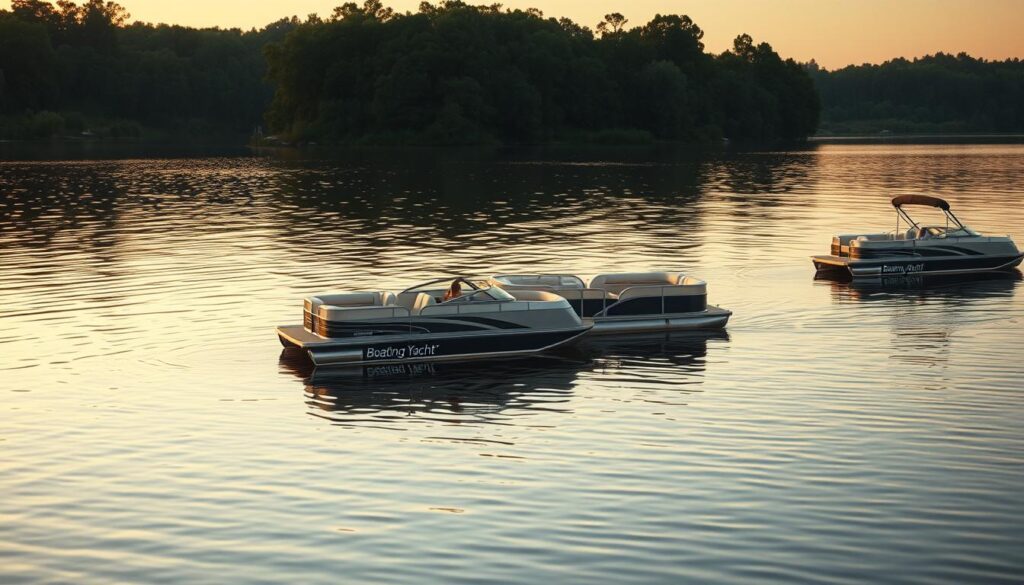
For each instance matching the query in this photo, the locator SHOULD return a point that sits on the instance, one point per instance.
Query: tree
(612, 24)
(372, 9)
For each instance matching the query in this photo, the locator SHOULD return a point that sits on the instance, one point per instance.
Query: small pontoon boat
(418, 325)
(952, 248)
(628, 302)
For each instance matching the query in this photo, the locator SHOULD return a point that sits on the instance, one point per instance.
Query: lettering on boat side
(401, 352)
(902, 268)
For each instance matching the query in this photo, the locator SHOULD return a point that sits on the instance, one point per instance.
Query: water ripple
(153, 430)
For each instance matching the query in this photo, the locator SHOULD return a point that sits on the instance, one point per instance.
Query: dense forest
(449, 73)
(453, 73)
(66, 69)
(936, 94)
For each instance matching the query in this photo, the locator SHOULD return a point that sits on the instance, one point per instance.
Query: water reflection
(451, 199)
(926, 313)
(497, 392)
(952, 290)
(456, 393)
(129, 283)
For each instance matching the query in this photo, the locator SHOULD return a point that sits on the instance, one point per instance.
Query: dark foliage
(448, 74)
(938, 93)
(454, 73)
(70, 68)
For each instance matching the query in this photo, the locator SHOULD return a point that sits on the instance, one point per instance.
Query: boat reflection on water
(496, 391)
(951, 288)
(924, 314)
(450, 392)
(647, 353)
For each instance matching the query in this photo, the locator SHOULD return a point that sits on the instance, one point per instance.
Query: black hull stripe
(924, 265)
(456, 347)
(931, 251)
(496, 323)
(443, 324)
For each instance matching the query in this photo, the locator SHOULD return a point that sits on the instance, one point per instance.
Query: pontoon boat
(420, 325)
(628, 302)
(952, 248)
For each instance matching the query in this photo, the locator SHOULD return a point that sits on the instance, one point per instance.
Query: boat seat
(335, 313)
(351, 299)
(694, 287)
(542, 279)
(617, 283)
(549, 282)
(415, 301)
(575, 294)
(535, 295)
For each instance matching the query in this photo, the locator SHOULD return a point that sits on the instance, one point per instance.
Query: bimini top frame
(923, 200)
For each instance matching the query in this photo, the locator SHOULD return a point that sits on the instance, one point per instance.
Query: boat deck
(298, 336)
(830, 260)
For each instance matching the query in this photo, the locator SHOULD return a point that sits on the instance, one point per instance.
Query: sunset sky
(833, 32)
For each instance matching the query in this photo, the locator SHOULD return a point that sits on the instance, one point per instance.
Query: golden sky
(833, 32)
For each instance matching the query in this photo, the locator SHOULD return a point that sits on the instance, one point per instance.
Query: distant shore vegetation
(453, 73)
(941, 93)
(79, 70)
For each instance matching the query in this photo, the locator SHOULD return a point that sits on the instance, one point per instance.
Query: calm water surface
(152, 430)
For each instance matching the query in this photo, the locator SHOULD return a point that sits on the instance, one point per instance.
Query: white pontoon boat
(419, 325)
(952, 248)
(628, 302)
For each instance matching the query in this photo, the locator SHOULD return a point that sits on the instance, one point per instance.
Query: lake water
(151, 430)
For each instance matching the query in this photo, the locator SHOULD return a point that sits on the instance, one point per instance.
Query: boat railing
(584, 294)
(609, 299)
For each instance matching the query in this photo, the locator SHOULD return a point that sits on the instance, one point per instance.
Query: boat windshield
(499, 294)
(961, 232)
(948, 232)
(444, 283)
(490, 294)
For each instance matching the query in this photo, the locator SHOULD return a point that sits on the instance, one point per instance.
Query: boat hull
(711, 318)
(424, 348)
(910, 265)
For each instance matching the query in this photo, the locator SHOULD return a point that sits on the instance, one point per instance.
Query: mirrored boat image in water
(422, 323)
(478, 392)
(952, 248)
(957, 288)
(451, 391)
(633, 302)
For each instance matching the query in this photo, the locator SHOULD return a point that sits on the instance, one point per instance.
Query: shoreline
(12, 150)
(981, 138)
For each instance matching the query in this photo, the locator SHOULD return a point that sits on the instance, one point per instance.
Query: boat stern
(831, 263)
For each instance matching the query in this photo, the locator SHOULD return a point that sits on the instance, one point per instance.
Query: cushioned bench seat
(311, 305)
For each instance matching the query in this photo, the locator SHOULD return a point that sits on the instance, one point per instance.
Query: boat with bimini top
(420, 324)
(629, 302)
(952, 248)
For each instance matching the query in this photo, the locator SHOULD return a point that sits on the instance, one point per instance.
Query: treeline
(69, 69)
(454, 73)
(447, 74)
(935, 94)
